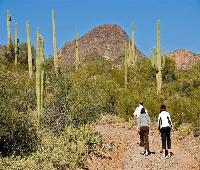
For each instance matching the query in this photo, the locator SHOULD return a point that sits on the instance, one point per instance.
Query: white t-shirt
(164, 120)
(138, 111)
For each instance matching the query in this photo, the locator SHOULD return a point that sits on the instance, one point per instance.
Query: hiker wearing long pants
(143, 126)
(164, 126)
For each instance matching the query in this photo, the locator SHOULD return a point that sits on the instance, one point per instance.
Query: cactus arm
(152, 58)
(164, 55)
(130, 56)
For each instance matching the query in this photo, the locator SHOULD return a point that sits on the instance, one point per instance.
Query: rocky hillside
(184, 58)
(106, 41)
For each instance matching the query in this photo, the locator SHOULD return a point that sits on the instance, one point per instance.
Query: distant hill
(106, 40)
(184, 58)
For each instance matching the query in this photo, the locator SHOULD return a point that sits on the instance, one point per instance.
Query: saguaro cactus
(129, 53)
(40, 73)
(157, 62)
(133, 51)
(16, 44)
(30, 64)
(126, 66)
(77, 52)
(8, 29)
(55, 55)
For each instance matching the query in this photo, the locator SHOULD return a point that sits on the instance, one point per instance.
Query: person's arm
(159, 122)
(149, 120)
(139, 123)
(169, 120)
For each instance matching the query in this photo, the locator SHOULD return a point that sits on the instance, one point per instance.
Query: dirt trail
(121, 152)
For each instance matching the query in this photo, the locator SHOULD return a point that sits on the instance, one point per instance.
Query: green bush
(185, 129)
(17, 135)
(23, 54)
(69, 150)
(89, 98)
(56, 109)
(16, 90)
(77, 97)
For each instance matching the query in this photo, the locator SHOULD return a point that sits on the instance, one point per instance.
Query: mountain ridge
(183, 58)
(107, 40)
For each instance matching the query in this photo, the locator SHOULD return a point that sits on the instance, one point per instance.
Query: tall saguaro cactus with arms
(30, 64)
(157, 62)
(40, 73)
(55, 55)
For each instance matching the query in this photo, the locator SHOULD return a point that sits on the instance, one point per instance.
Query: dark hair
(141, 103)
(143, 111)
(163, 108)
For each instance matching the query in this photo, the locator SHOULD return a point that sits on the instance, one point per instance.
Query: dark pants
(144, 137)
(165, 136)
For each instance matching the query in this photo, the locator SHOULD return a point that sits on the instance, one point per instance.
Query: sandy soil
(120, 151)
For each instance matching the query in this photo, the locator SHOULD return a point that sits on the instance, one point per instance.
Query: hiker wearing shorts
(164, 126)
(143, 126)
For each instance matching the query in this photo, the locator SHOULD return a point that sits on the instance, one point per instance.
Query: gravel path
(123, 152)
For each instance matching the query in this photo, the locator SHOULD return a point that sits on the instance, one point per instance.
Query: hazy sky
(180, 20)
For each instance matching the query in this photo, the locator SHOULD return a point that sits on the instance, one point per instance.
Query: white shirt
(164, 120)
(138, 111)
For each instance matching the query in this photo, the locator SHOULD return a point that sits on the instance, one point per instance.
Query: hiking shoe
(168, 155)
(147, 152)
(143, 152)
(164, 154)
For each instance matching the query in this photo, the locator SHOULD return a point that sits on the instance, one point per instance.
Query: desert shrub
(169, 71)
(110, 119)
(185, 129)
(16, 91)
(17, 135)
(126, 102)
(23, 54)
(118, 76)
(97, 67)
(56, 107)
(92, 57)
(143, 74)
(152, 103)
(182, 109)
(3, 55)
(69, 150)
(89, 98)
(76, 97)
